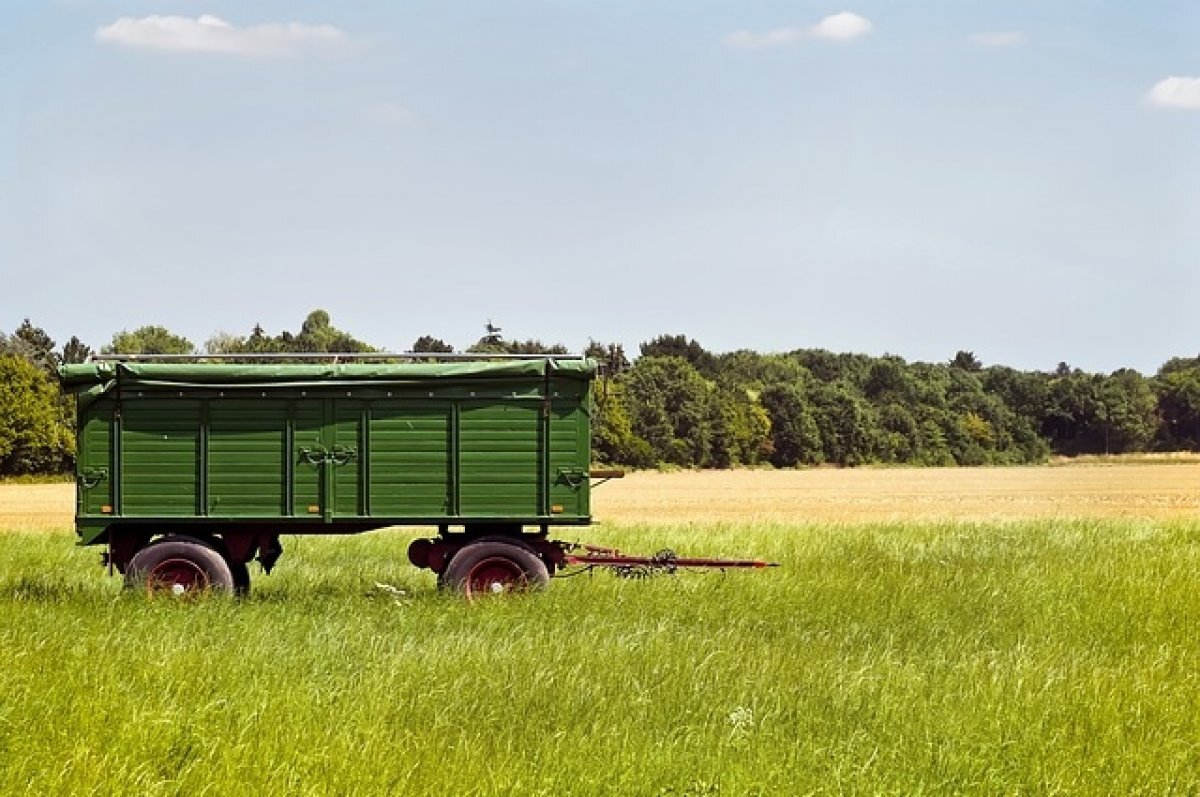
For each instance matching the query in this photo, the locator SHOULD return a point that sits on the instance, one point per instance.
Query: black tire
(240, 570)
(180, 567)
(486, 567)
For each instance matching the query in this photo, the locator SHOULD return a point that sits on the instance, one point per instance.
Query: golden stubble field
(1159, 490)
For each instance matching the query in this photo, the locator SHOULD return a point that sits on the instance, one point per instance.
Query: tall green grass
(1035, 658)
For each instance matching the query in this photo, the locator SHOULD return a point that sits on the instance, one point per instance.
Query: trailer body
(237, 454)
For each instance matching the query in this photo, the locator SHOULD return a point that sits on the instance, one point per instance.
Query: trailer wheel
(489, 567)
(180, 567)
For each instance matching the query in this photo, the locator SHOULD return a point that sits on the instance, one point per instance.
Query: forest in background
(677, 404)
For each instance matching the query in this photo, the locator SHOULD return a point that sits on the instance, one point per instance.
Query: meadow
(1012, 631)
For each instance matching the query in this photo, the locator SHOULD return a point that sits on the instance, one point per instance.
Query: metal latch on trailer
(90, 477)
(575, 477)
(338, 455)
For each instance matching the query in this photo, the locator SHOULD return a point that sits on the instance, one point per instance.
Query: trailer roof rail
(332, 357)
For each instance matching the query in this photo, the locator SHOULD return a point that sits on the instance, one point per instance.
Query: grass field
(1021, 631)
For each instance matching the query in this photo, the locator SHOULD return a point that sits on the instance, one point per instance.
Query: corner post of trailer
(544, 454)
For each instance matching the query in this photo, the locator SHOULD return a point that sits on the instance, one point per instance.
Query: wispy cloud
(1176, 92)
(842, 27)
(209, 34)
(745, 40)
(998, 38)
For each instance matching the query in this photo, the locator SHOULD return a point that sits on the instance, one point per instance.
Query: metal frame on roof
(333, 357)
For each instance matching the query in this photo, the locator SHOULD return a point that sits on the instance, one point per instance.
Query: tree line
(678, 404)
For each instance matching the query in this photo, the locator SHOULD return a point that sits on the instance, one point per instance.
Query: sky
(1019, 179)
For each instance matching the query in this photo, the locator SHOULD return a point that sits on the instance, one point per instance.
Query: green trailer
(189, 470)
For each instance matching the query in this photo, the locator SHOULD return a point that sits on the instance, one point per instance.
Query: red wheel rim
(494, 575)
(177, 576)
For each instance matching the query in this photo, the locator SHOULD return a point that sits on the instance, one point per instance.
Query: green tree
(427, 344)
(1022, 392)
(669, 408)
(33, 437)
(741, 429)
(889, 379)
(494, 343)
(825, 366)
(39, 346)
(32, 344)
(260, 342)
(1177, 387)
(966, 361)
(224, 343)
(1128, 412)
(847, 424)
(1096, 414)
(613, 439)
(14, 346)
(317, 335)
(986, 430)
(611, 356)
(753, 371)
(530, 346)
(534, 346)
(795, 438)
(75, 351)
(682, 347)
(899, 435)
(149, 340)
(975, 438)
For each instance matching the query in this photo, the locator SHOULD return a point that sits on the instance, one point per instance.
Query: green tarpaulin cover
(94, 379)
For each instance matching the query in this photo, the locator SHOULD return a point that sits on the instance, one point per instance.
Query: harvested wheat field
(37, 507)
(1156, 490)
(1159, 491)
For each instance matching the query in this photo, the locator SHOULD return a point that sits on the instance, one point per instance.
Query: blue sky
(1020, 178)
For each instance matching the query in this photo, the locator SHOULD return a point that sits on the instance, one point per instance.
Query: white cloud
(1176, 92)
(209, 34)
(837, 27)
(998, 38)
(841, 27)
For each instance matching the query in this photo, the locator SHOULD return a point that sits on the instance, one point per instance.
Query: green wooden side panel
(159, 457)
(569, 448)
(345, 442)
(247, 457)
(95, 461)
(327, 455)
(308, 422)
(498, 459)
(409, 459)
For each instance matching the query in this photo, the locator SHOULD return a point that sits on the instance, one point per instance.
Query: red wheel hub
(493, 575)
(177, 576)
